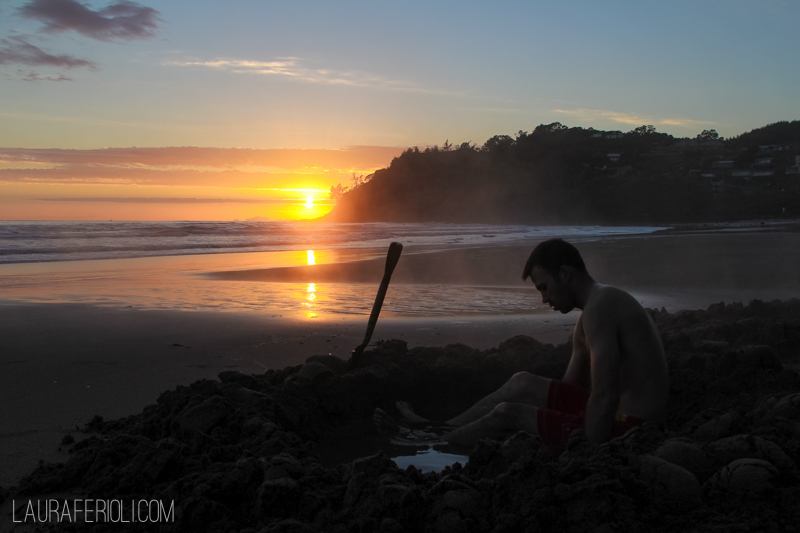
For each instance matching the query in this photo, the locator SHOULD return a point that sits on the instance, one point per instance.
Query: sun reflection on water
(309, 304)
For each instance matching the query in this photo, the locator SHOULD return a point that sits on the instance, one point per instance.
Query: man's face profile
(554, 290)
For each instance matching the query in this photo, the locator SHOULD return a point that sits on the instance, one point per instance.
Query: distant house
(614, 156)
(794, 169)
(772, 148)
(709, 175)
(722, 164)
(762, 167)
(597, 135)
(742, 173)
(614, 135)
(761, 172)
(699, 143)
(717, 186)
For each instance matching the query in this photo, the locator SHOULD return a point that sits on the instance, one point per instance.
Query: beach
(69, 360)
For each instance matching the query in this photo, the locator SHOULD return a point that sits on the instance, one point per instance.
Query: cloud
(146, 200)
(16, 50)
(625, 118)
(686, 122)
(190, 166)
(34, 77)
(291, 67)
(122, 20)
(630, 118)
(192, 157)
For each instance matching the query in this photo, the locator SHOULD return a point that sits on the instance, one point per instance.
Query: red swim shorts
(566, 407)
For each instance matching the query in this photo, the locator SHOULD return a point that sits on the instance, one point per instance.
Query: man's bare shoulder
(607, 303)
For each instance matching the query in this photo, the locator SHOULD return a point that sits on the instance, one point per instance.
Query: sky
(201, 110)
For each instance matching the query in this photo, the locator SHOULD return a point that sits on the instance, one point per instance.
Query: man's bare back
(614, 334)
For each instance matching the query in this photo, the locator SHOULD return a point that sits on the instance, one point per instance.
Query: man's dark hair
(551, 255)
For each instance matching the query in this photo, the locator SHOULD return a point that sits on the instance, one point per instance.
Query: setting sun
(309, 202)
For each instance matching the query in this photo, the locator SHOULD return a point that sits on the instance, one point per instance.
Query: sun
(309, 202)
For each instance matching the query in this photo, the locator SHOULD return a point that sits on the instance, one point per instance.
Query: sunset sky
(275, 101)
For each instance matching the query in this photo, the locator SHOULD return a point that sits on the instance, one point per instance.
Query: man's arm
(600, 326)
(579, 371)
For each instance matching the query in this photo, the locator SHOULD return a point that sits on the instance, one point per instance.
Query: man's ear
(566, 273)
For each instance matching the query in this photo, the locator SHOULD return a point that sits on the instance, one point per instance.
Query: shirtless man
(616, 378)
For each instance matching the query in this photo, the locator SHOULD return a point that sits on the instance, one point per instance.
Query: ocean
(161, 265)
(40, 241)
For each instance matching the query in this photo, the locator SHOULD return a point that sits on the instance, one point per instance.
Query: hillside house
(699, 143)
(794, 169)
(773, 148)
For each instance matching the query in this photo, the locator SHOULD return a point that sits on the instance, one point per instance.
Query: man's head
(554, 266)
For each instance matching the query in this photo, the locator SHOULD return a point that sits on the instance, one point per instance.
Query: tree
(550, 128)
(466, 146)
(708, 135)
(643, 130)
(337, 191)
(498, 144)
(359, 180)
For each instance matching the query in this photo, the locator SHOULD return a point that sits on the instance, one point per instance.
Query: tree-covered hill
(561, 175)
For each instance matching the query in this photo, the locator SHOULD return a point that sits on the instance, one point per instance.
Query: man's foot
(385, 424)
(409, 415)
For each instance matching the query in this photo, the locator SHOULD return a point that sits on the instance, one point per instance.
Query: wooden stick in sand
(391, 261)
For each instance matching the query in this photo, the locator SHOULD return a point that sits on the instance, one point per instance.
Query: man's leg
(504, 419)
(522, 388)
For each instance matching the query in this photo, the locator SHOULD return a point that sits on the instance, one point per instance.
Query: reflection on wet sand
(311, 295)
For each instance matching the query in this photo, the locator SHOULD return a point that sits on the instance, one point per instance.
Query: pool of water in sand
(423, 448)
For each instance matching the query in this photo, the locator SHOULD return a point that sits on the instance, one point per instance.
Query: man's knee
(505, 411)
(521, 380)
(525, 383)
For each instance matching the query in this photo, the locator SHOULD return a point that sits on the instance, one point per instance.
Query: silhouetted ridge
(561, 175)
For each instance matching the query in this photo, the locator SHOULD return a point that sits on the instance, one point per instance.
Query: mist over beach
(205, 324)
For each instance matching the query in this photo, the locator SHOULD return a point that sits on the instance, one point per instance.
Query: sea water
(161, 265)
(40, 241)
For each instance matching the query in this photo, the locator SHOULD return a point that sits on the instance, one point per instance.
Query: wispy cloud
(180, 200)
(686, 122)
(291, 67)
(35, 77)
(18, 51)
(630, 118)
(353, 157)
(189, 166)
(122, 20)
